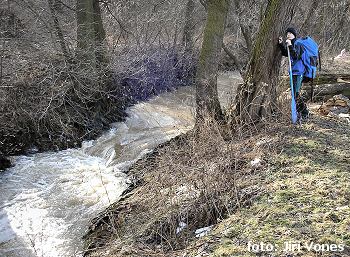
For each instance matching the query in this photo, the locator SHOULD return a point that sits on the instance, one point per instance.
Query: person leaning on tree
(298, 68)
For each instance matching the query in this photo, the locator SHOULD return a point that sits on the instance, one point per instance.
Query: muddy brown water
(47, 199)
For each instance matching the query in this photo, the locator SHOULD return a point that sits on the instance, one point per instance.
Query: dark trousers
(300, 102)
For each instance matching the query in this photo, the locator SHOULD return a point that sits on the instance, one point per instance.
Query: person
(298, 68)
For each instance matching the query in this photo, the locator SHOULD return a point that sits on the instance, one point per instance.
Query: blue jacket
(296, 52)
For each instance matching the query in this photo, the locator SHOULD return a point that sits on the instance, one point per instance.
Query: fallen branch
(328, 89)
(325, 79)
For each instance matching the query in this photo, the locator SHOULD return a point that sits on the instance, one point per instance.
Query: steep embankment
(306, 198)
(283, 184)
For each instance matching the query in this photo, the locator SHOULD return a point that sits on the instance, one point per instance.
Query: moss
(206, 85)
(214, 30)
(273, 7)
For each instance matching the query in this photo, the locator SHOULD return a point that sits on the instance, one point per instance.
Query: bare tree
(256, 97)
(187, 39)
(206, 81)
(90, 34)
(53, 8)
(244, 28)
(306, 24)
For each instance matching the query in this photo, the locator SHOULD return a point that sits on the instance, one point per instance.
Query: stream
(47, 199)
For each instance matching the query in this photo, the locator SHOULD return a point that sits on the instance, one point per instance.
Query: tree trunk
(256, 98)
(53, 6)
(85, 33)
(90, 34)
(207, 99)
(100, 36)
(187, 40)
(307, 22)
(244, 28)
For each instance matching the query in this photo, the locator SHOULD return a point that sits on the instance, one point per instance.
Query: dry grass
(298, 192)
(306, 197)
(197, 180)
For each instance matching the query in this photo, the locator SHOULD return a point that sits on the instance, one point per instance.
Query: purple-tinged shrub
(158, 71)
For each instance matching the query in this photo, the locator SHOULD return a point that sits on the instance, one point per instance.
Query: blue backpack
(310, 56)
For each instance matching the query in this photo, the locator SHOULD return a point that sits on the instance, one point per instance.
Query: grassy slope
(307, 197)
(300, 193)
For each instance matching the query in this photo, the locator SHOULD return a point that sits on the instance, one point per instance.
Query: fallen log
(331, 78)
(326, 91)
(325, 79)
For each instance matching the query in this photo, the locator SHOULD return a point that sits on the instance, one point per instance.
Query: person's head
(291, 33)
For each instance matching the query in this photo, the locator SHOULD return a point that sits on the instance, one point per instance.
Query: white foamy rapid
(47, 199)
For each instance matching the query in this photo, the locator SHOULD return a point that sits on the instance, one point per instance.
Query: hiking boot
(305, 115)
(299, 118)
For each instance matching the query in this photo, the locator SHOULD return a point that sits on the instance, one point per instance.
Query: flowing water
(47, 199)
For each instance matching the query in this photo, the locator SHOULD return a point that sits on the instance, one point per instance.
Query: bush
(159, 70)
(56, 105)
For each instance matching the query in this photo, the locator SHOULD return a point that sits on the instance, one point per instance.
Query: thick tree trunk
(206, 80)
(85, 33)
(90, 34)
(92, 63)
(256, 97)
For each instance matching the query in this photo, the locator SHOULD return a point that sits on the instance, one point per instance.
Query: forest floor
(279, 184)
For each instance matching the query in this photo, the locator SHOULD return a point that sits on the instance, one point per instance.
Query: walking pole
(293, 103)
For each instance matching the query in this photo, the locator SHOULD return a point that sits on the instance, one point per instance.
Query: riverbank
(49, 198)
(4, 163)
(282, 184)
(52, 105)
